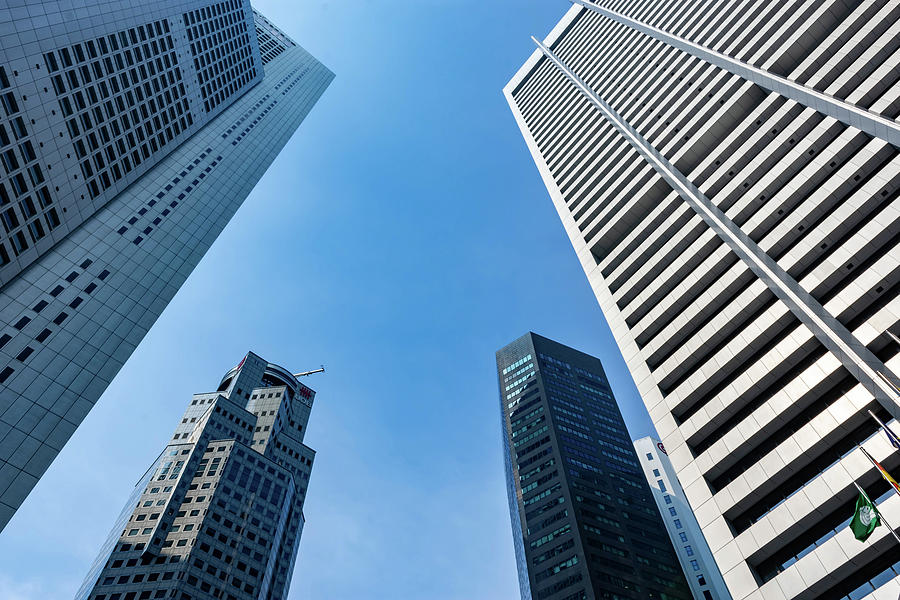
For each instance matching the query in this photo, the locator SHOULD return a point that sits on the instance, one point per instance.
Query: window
(701, 579)
(695, 565)
(649, 456)
(668, 499)
(662, 486)
(689, 551)
(656, 472)
(707, 595)
(677, 524)
(672, 511)
(683, 536)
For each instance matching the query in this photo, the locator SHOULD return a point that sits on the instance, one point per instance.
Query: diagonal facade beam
(873, 124)
(854, 356)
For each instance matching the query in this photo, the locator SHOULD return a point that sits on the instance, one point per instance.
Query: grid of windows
(122, 97)
(269, 47)
(220, 44)
(168, 205)
(27, 208)
(559, 515)
(272, 41)
(63, 312)
(226, 513)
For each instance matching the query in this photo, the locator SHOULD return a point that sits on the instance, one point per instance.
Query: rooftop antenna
(305, 373)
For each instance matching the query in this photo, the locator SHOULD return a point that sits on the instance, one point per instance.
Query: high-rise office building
(220, 512)
(693, 552)
(130, 133)
(585, 526)
(729, 177)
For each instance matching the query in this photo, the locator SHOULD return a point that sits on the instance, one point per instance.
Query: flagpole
(880, 514)
(889, 432)
(884, 474)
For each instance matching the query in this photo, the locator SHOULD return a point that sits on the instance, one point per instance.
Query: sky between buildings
(401, 238)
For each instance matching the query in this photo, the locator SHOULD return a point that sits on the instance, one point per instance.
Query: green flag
(865, 519)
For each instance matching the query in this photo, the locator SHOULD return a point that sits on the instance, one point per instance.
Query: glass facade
(128, 138)
(584, 522)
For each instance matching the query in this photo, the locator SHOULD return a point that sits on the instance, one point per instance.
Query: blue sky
(401, 238)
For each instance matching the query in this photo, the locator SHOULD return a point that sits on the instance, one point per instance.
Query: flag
(865, 519)
(885, 474)
(892, 437)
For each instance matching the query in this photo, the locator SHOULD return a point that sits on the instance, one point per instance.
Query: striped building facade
(727, 172)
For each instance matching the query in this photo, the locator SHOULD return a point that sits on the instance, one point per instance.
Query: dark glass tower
(219, 514)
(585, 526)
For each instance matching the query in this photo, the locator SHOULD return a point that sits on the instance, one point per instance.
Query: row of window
(272, 41)
(541, 481)
(220, 44)
(174, 203)
(295, 81)
(25, 216)
(524, 369)
(550, 505)
(528, 427)
(517, 364)
(269, 47)
(521, 405)
(535, 457)
(532, 447)
(45, 333)
(559, 586)
(515, 393)
(136, 101)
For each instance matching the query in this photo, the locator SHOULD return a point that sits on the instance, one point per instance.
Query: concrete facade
(132, 132)
(728, 176)
(687, 538)
(585, 526)
(219, 514)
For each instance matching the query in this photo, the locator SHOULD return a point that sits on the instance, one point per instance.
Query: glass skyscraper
(130, 133)
(584, 522)
(220, 512)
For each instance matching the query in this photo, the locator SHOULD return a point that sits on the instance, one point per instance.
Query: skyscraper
(130, 133)
(693, 552)
(585, 526)
(219, 514)
(728, 174)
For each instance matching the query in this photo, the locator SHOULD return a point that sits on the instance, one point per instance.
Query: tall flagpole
(880, 514)
(881, 470)
(892, 437)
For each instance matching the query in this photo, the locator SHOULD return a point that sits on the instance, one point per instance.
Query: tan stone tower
(219, 514)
